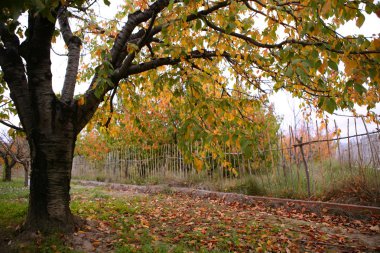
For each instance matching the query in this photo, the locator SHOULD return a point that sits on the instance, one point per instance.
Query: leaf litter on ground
(125, 221)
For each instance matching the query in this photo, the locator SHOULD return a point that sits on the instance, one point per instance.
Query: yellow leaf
(81, 101)
(326, 8)
(234, 171)
(376, 43)
(198, 164)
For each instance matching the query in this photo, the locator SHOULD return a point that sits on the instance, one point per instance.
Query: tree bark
(7, 173)
(26, 173)
(8, 165)
(51, 164)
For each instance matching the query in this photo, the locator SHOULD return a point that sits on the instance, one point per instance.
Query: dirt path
(212, 223)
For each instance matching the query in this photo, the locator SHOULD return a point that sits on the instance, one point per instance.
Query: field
(116, 220)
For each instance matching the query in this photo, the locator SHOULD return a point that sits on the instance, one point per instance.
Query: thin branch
(151, 51)
(142, 67)
(56, 53)
(111, 107)
(267, 16)
(8, 150)
(158, 29)
(334, 139)
(11, 126)
(282, 43)
(5, 103)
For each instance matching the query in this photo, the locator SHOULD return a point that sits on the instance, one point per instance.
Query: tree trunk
(49, 200)
(7, 173)
(26, 173)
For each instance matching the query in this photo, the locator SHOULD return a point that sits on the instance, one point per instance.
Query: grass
(13, 210)
(327, 178)
(166, 222)
(13, 204)
(142, 224)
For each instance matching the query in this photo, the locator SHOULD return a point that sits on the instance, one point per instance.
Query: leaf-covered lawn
(132, 222)
(124, 221)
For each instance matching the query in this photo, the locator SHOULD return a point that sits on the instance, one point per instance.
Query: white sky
(283, 102)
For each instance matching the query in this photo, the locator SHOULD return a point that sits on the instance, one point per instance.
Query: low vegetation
(336, 182)
(120, 221)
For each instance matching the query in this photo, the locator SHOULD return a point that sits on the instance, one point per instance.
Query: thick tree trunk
(51, 125)
(51, 163)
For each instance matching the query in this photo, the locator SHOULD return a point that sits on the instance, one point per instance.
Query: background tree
(156, 120)
(12, 151)
(167, 42)
(8, 161)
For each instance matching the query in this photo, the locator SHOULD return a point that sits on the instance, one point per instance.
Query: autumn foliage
(152, 121)
(314, 141)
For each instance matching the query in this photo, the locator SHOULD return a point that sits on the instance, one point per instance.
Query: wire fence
(308, 158)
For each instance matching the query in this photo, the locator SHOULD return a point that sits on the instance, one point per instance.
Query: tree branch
(282, 43)
(8, 151)
(14, 75)
(155, 30)
(86, 111)
(40, 88)
(142, 67)
(12, 126)
(134, 19)
(127, 62)
(73, 44)
(106, 125)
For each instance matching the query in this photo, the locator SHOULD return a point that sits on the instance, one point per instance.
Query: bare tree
(13, 151)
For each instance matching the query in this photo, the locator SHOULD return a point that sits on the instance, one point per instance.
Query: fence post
(309, 155)
(338, 135)
(300, 144)
(348, 143)
(283, 158)
(370, 145)
(292, 136)
(328, 142)
(358, 147)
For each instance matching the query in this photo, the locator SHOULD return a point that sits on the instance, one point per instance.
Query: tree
(190, 47)
(157, 120)
(12, 151)
(8, 161)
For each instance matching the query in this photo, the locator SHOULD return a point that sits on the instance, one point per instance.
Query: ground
(125, 221)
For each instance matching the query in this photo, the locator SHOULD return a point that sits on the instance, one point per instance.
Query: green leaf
(329, 105)
(245, 146)
(107, 2)
(289, 72)
(198, 24)
(359, 88)
(170, 6)
(332, 65)
(360, 20)
(315, 54)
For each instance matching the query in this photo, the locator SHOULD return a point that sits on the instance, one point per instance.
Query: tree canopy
(217, 59)
(190, 47)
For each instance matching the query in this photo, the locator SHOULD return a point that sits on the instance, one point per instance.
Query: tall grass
(330, 179)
